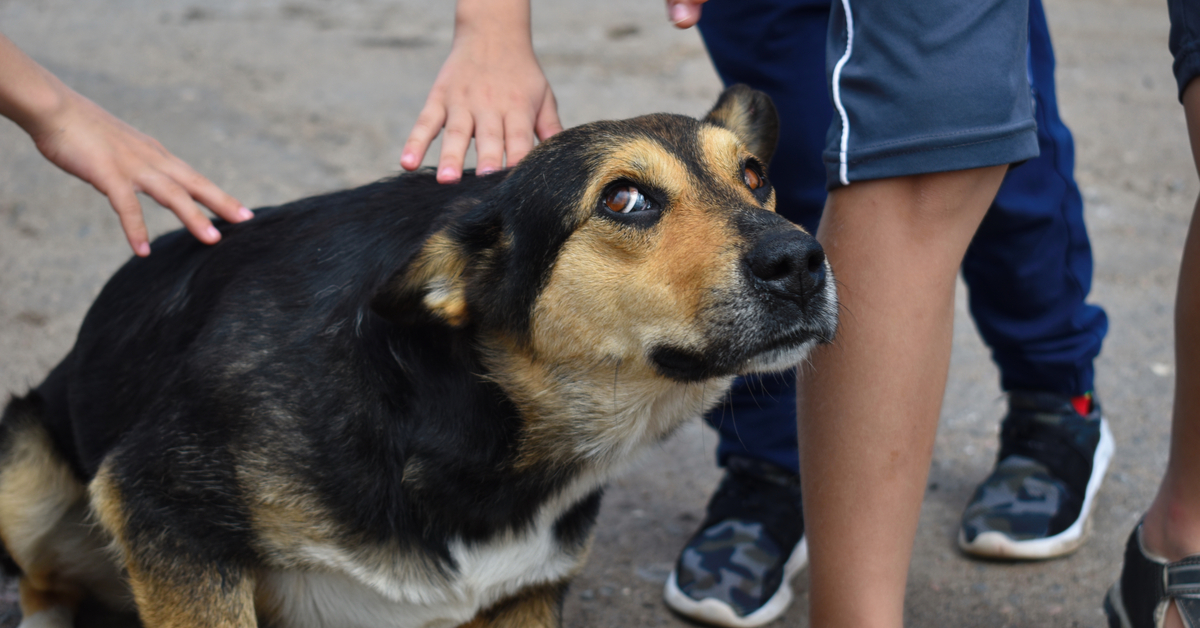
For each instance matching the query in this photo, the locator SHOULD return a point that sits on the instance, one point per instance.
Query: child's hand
(490, 87)
(119, 161)
(684, 13)
(78, 136)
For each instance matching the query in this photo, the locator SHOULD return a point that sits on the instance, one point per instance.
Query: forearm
(29, 94)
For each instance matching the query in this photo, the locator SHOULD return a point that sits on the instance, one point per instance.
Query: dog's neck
(617, 407)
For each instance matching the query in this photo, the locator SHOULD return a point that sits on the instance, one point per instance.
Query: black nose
(790, 264)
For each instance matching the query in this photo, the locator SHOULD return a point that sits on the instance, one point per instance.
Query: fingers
(504, 110)
(491, 143)
(519, 131)
(170, 194)
(547, 123)
(684, 13)
(200, 188)
(460, 125)
(120, 161)
(429, 124)
(518, 138)
(129, 212)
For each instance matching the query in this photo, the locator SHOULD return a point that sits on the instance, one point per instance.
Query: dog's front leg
(534, 607)
(172, 587)
(193, 600)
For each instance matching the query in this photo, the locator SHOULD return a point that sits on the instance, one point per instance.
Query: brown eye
(623, 200)
(753, 181)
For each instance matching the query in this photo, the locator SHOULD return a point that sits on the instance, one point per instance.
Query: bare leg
(869, 405)
(1172, 525)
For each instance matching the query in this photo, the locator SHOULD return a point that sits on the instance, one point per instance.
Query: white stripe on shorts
(837, 92)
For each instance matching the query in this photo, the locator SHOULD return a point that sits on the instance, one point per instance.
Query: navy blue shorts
(927, 86)
(1185, 41)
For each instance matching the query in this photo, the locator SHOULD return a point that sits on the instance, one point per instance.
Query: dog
(399, 404)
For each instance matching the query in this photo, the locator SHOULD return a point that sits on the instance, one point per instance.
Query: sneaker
(1037, 500)
(1148, 583)
(737, 569)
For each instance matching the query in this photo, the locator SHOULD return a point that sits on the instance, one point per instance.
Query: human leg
(1028, 272)
(871, 400)
(1170, 530)
(1172, 525)
(919, 148)
(1029, 268)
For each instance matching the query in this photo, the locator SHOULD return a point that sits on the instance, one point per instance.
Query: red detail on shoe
(1082, 403)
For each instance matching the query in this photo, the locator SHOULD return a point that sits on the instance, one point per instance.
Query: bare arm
(85, 140)
(490, 88)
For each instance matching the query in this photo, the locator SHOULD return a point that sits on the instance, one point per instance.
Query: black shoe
(1148, 584)
(736, 570)
(1037, 500)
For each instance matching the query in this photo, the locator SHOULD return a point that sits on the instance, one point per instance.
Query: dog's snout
(790, 264)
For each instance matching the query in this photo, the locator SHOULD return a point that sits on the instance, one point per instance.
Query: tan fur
(36, 490)
(613, 288)
(613, 292)
(171, 594)
(169, 597)
(437, 274)
(45, 527)
(535, 607)
(750, 117)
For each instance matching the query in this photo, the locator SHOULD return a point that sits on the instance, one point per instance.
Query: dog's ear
(432, 283)
(751, 115)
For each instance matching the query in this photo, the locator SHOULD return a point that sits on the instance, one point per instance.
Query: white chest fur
(338, 588)
(328, 586)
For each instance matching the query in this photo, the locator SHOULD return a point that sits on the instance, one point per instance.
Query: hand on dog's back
(83, 139)
(490, 87)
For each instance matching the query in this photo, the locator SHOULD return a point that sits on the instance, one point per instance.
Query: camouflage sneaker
(736, 570)
(1037, 500)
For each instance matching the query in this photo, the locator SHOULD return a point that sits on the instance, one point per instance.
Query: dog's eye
(626, 199)
(753, 181)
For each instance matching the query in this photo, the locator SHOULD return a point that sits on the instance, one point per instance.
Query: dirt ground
(278, 99)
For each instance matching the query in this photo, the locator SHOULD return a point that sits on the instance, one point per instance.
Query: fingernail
(447, 175)
(212, 233)
(245, 214)
(142, 249)
(679, 13)
(486, 171)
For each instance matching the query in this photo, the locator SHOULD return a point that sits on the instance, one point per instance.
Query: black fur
(300, 344)
(150, 374)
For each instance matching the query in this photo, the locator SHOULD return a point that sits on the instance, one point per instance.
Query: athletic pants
(1028, 270)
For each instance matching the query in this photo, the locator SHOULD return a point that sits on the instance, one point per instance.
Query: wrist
(501, 21)
(29, 94)
(41, 109)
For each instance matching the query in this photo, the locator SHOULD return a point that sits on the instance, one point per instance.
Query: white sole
(718, 613)
(1000, 545)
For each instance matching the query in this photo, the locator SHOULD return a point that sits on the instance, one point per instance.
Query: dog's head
(650, 244)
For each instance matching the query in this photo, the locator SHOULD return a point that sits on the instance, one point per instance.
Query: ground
(275, 100)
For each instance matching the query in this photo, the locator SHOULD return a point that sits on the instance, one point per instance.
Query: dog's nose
(789, 263)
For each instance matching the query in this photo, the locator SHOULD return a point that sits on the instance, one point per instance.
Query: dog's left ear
(751, 115)
(432, 283)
